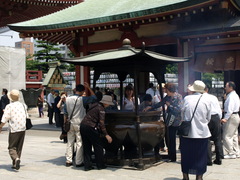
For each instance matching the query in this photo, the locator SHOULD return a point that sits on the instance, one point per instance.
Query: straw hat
(106, 99)
(198, 86)
(13, 95)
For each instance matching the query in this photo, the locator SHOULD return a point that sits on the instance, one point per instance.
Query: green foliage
(172, 69)
(207, 78)
(36, 66)
(48, 53)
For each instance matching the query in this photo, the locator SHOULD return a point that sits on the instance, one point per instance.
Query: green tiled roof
(92, 12)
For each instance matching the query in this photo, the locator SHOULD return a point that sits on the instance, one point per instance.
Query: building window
(62, 48)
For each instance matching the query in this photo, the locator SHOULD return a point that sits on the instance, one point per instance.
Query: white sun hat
(198, 86)
(106, 99)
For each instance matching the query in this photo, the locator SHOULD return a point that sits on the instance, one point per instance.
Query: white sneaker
(230, 156)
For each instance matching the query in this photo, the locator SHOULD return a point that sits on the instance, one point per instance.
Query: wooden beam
(135, 43)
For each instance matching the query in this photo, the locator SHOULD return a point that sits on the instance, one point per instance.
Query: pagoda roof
(95, 12)
(127, 60)
(13, 11)
(126, 56)
(54, 77)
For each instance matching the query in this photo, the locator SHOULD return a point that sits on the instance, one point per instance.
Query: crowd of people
(210, 124)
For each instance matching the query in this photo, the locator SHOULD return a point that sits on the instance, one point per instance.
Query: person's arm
(88, 87)
(6, 117)
(155, 106)
(1, 125)
(65, 111)
(59, 104)
(88, 99)
(102, 125)
(49, 100)
(227, 109)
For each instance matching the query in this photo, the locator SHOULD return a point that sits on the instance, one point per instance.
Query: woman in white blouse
(129, 101)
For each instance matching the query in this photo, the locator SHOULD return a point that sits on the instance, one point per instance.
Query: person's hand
(167, 103)
(223, 121)
(109, 139)
(146, 108)
(86, 85)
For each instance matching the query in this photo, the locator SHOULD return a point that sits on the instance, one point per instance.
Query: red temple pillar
(180, 68)
(86, 70)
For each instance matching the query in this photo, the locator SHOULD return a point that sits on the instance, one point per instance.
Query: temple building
(12, 11)
(207, 29)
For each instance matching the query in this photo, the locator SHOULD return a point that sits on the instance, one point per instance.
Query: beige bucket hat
(198, 86)
(106, 99)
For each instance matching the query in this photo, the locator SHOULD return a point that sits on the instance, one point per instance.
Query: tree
(207, 78)
(35, 66)
(48, 52)
(172, 69)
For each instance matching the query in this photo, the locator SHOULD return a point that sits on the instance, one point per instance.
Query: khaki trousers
(230, 135)
(15, 144)
(72, 136)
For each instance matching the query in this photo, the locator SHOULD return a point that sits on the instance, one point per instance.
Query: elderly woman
(194, 147)
(173, 100)
(92, 127)
(15, 114)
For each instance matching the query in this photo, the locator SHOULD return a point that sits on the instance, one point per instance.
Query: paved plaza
(43, 159)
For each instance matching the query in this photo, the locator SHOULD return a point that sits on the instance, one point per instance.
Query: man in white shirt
(153, 91)
(231, 122)
(75, 107)
(215, 129)
(50, 102)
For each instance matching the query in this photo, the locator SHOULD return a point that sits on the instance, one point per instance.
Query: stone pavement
(43, 159)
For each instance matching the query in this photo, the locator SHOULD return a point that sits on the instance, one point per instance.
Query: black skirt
(194, 155)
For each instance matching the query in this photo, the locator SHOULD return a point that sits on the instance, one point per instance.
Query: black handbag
(28, 120)
(28, 123)
(185, 126)
(67, 123)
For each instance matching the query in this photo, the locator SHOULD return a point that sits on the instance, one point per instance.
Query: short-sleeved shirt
(15, 114)
(231, 104)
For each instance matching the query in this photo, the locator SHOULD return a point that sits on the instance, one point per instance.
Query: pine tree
(48, 52)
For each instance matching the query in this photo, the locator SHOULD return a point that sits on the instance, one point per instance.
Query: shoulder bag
(169, 119)
(28, 120)
(67, 123)
(184, 128)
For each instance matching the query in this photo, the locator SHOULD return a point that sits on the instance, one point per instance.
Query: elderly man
(215, 129)
(231, 122)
